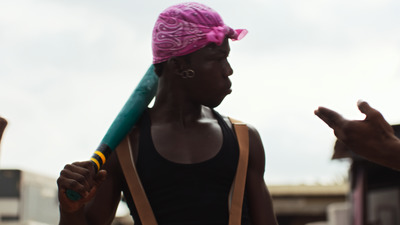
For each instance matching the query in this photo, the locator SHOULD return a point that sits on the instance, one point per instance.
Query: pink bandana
(185, 28)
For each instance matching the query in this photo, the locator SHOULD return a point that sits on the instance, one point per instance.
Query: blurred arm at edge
(3, 124)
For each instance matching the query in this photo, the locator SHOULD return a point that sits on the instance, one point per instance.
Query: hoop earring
(189, 73)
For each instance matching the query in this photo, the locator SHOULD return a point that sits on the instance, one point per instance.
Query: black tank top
(187, 194)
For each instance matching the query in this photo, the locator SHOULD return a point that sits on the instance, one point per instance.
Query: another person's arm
(3, 124)
(260, 201)
(372, 138)
(101, 193)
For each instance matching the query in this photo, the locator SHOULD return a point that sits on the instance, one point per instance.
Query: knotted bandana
(187, 27)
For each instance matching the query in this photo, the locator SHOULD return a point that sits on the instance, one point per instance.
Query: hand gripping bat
(123, 123)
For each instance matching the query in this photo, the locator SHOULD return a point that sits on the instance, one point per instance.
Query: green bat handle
(125, 120)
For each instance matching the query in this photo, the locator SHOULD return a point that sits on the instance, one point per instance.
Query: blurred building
(27, 198)
(374, 194)
(302, 204)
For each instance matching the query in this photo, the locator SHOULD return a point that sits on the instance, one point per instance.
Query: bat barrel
(123, 123)
(132, 110)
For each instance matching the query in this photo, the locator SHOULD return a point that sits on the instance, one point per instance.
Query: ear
(177, 64)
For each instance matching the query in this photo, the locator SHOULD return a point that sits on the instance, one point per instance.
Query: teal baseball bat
(123, 123)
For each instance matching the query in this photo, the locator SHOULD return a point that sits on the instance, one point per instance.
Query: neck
(171, 106)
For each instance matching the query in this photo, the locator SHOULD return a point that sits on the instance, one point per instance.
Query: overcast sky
(67, 68)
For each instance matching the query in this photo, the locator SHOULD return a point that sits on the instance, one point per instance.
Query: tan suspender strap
(142, 204)
(242, 134)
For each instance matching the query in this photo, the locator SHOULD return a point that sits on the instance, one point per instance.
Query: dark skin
(184, 130)
(3, 124)
(372, 138)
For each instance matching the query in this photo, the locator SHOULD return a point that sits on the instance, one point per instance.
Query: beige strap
(242, 134)
(142, 204)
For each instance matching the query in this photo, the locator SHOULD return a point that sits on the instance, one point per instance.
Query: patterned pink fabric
(187, 27)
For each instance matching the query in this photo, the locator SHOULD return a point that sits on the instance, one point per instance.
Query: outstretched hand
(372, 138)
